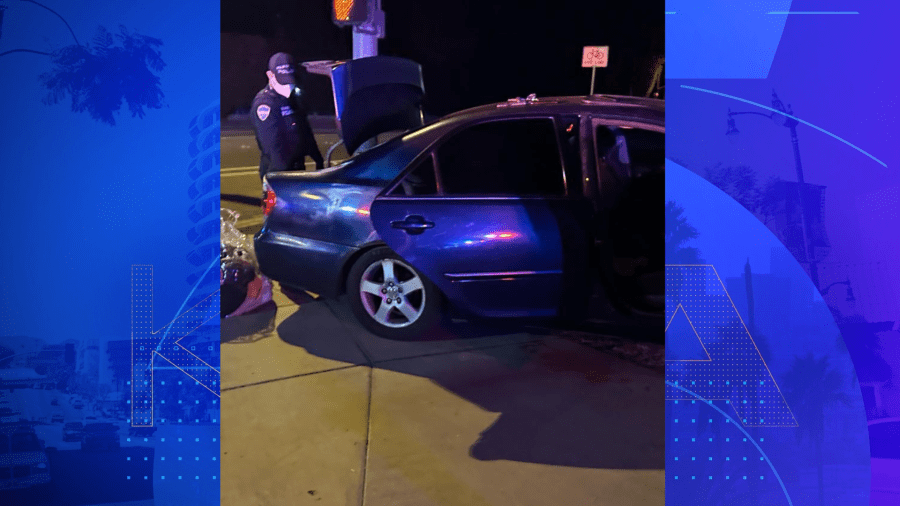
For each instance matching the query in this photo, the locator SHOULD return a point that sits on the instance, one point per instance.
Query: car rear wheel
(390, 298)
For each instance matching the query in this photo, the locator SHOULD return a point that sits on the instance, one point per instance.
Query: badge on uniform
(286, 110)
(262, 112)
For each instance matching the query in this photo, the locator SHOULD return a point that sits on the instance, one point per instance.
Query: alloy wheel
(392, 293)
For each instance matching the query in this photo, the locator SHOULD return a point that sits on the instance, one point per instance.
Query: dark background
(471, 52)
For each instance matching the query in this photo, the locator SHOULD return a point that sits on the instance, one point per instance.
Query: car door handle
(413, 224)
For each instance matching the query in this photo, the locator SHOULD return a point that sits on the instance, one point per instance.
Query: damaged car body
(525, 208)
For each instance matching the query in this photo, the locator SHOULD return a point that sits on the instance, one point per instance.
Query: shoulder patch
(262, 112)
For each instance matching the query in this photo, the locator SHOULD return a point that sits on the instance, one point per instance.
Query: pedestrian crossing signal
(350, 12)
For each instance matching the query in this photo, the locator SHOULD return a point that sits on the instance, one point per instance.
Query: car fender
(373, 241)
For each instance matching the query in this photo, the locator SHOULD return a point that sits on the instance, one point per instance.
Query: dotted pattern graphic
(147, 344)
(735, 371)
(710, 457)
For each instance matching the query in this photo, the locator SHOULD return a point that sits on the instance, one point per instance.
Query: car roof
(613, 107)
(651, 110)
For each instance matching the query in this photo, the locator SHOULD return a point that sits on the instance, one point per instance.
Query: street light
(782, 116)
(732, 131)
(850, 298)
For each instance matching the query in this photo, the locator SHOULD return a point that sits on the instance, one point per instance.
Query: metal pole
(593, 73)
(365, 44)
(807, 233)
(751, 306)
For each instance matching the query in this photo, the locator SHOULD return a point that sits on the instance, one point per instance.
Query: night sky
(471, 52)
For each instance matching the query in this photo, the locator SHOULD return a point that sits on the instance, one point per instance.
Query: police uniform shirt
(279, 134)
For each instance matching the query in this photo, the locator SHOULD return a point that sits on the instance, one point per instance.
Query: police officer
(283, 133)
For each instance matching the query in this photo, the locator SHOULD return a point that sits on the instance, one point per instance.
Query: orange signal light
(350, 12)
(342, 9)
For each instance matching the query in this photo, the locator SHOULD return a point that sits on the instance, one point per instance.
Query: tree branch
(23, 51)
(57, 15)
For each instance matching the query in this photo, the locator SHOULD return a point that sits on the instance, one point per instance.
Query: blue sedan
(524, 208)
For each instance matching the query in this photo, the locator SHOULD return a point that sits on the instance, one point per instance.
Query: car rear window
(383, 162)
(419, 181)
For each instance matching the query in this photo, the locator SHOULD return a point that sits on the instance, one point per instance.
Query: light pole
(782, 118)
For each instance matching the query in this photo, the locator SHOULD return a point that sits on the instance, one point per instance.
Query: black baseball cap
(282, 65)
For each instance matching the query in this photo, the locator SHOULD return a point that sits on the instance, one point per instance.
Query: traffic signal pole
(366, 35)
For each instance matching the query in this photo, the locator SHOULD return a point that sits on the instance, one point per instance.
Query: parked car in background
(524, 208)
(57, 417)
(78, 404)
(8, 415)
(141, 431)
(23, 460)
(72, 431)
(100, 436)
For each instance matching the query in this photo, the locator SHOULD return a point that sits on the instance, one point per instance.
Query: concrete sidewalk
(318, 411)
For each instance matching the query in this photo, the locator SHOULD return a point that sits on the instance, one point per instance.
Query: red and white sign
(595, 56)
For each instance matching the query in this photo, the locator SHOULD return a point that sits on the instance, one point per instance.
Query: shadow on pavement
(560, 403)
(251, 326)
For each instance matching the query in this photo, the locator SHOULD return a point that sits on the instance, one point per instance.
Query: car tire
(380, 275)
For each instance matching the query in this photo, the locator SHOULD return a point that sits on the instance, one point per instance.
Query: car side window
(631, 165)
(511, 157)
(626, 153)
(419, 181)
(646, 151)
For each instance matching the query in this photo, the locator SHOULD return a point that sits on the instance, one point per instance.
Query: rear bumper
(302, 263)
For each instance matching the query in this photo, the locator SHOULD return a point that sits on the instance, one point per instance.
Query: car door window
(646, 151)
(627, 153)
(512, 157)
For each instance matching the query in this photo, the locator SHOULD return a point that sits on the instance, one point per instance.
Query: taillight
(268, 202)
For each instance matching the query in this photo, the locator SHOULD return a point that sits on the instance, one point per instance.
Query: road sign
(595, 56)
